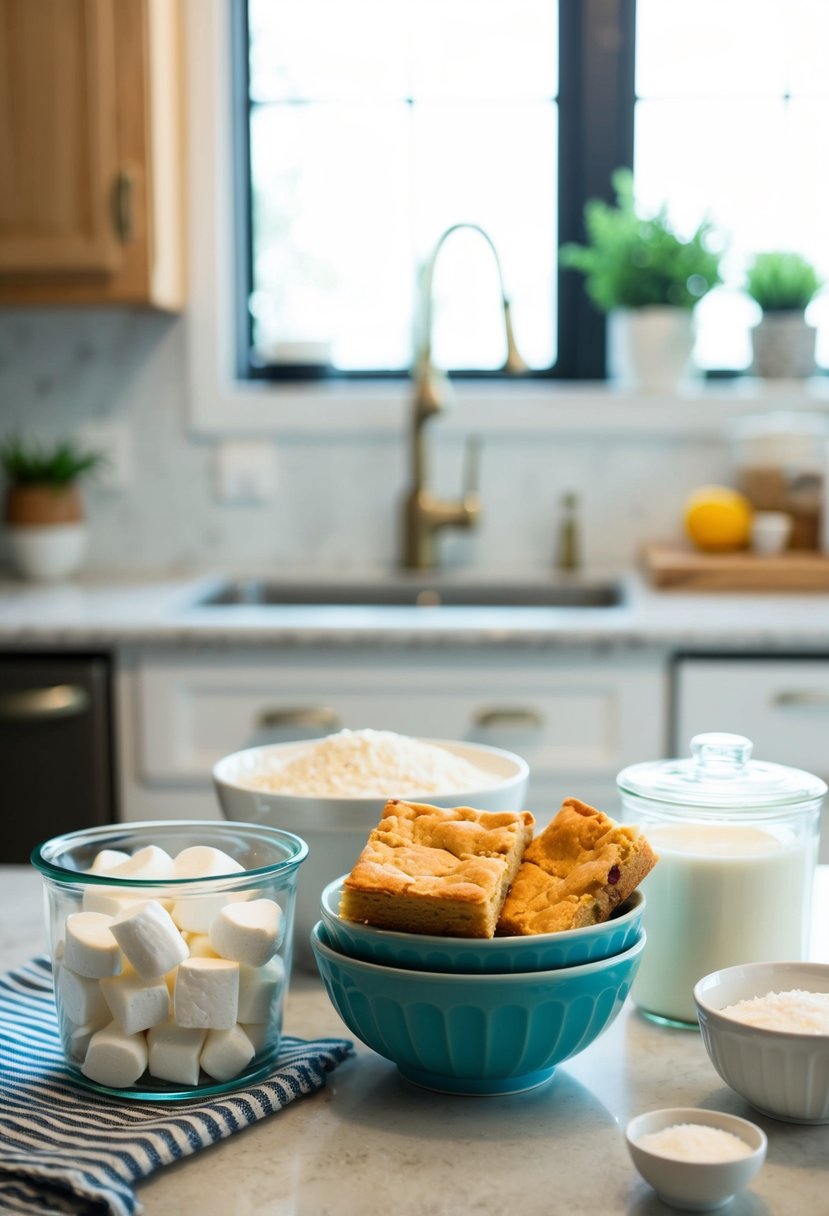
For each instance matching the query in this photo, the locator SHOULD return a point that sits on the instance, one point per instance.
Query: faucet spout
(425, 514)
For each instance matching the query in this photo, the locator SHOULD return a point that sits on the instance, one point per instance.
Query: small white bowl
(695, 1186)
(337, 828)
(782, 1073)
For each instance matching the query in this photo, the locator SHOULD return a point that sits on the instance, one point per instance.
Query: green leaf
(783, 282)
(632, 261)
(58, 465)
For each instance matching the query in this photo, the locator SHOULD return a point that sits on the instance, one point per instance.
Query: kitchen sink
(416, 593)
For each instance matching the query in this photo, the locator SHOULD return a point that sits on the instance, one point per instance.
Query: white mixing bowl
(337, 828)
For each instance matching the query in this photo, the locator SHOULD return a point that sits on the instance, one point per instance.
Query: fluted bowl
(782, 1073)
(472, 1033)
(534, 952)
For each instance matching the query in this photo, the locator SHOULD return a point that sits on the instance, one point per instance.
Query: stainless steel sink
(417, 593)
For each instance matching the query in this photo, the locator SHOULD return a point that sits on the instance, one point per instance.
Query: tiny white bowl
(782, 1073)
(695, 1186)
(336, 829)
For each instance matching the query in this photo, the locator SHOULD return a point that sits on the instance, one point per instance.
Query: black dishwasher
(56, 753)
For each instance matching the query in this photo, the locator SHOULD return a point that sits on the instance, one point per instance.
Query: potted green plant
(648, 279)
(44, 508)
(783, 341)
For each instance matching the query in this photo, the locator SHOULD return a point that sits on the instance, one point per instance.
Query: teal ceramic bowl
(475, 1034)
(540, 952)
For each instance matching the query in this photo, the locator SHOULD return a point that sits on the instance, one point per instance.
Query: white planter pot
(47, 553)
(650, 348)
(784, 347)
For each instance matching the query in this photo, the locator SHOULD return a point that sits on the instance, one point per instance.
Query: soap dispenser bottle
(568, 555)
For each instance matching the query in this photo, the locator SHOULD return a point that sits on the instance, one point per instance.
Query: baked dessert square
(425, 869)
(581, 867)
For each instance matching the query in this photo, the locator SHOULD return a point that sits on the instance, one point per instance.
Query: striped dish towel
(64, 1149)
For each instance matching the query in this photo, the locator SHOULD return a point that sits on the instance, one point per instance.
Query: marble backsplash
(336, 503)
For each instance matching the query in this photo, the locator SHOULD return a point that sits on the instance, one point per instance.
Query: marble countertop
(369, 1144)
(166, 612)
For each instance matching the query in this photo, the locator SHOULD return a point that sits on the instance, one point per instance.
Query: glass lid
(720, 773)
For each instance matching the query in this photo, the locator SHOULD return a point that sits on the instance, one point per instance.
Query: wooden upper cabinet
(91, 153)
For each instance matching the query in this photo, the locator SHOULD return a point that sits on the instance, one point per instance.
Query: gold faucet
(425, 514)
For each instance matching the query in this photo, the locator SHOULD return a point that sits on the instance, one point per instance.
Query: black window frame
(596, 103)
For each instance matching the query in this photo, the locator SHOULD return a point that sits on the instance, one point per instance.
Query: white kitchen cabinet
(781, 704)
(576, 719)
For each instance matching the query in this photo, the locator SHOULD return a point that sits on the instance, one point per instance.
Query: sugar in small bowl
(171, 951)
(694, 1159)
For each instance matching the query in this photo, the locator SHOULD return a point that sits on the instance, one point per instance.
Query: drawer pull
(528, 719)
(804, 698)
(44, 704)
(320, 717)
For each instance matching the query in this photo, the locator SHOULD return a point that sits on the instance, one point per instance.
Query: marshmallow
(226, 1052)
(78, 1038)
(81, 998)
(149, 939)
(259, 987)
(174, 1052)
(135, 1003)
(199, 945)
(249, 932)
(202, 861)
(111, 901)
(207, 993)
(89, 948)
(115, 1059)
(196, 912)
(106, 859)
(150, 863)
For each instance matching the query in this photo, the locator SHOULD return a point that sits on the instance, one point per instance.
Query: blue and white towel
(64, 1149)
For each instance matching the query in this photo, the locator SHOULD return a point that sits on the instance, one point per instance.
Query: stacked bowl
(474, 1016)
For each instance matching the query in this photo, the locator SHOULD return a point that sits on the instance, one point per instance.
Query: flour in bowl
(373, 764)
(796, 1011)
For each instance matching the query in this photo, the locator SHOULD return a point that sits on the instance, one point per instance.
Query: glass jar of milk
(737, 841)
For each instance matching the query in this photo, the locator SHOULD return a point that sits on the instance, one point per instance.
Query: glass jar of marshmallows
(171, 952)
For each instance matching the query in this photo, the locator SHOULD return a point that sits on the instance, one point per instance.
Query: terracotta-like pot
(46, 530)
(44, 504)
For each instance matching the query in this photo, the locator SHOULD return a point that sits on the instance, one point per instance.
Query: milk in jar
(737, 843)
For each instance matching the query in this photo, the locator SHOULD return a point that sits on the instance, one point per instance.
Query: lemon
(718, 519)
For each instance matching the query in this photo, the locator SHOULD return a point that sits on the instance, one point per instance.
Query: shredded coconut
(373, 764)
(796, 1011)
(695, 1142)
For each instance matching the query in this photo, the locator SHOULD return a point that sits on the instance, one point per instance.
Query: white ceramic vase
(47, 553)
(650, 349)
(783, 345)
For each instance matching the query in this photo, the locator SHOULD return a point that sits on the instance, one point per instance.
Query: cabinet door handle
(123, 206)
(320, 717)
(529, 719)
(43, 704)
(802, 698)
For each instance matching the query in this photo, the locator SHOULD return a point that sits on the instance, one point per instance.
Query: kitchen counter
(369, 1144)
(110, 613)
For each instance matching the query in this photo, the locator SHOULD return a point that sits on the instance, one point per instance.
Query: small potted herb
(783, 341)
(44, 508)
(648, 279)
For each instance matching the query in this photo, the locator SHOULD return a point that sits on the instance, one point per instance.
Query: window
(370, 126)
(731, 119)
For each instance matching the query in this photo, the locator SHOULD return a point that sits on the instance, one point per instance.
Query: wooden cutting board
(675, 566)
